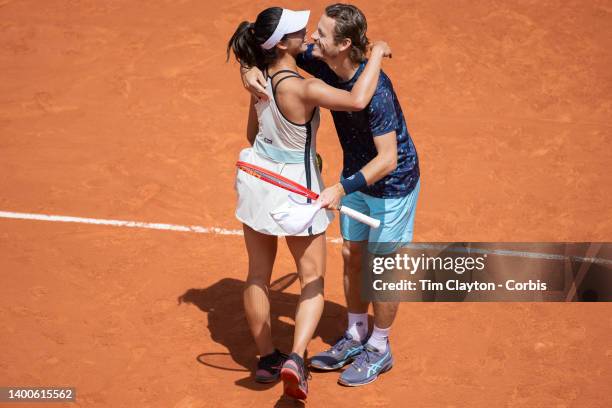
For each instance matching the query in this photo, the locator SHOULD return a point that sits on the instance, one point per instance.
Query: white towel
(294, 217)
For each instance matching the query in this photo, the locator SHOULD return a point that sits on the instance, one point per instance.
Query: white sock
(358, 325)
(378, 339)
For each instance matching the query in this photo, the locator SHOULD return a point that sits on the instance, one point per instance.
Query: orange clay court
(127, 110)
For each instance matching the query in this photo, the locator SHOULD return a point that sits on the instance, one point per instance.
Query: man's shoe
(338, 355)
(367, 367)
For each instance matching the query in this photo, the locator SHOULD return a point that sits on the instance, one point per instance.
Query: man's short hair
(350, 23)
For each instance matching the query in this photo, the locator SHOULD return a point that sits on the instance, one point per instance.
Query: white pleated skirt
(257, 198)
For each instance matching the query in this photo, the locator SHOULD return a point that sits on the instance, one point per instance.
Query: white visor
(290, 22)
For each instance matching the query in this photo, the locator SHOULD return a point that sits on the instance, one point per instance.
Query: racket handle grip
(367, 220)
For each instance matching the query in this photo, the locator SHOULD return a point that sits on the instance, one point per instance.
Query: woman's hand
(382, 48)
(254, 82)
(330, 197)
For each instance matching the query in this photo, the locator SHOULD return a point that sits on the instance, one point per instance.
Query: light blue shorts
(396, 217)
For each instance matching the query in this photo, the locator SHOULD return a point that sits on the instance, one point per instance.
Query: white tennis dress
(286, 148)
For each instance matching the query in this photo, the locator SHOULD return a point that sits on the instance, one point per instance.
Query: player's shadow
(288, 402)
(222, 302)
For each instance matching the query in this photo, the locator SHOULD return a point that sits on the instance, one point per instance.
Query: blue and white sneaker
(339, 355)
(367, 367)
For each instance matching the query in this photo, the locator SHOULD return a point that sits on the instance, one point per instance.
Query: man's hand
(254, 82)
(330, 197)
(382, 48)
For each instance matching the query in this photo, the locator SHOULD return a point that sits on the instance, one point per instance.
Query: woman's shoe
(295, 377)
(269, 367)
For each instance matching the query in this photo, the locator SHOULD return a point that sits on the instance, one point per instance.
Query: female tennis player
(282, 132)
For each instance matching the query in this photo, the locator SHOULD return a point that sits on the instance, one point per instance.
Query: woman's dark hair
(351, 24)
(246, 41)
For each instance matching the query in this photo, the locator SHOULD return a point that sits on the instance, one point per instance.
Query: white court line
(117, 223)
(224, 231)
(130, 224)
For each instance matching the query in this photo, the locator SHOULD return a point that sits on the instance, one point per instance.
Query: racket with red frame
(290, 185)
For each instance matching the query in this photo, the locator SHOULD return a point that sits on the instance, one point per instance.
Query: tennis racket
(290, 185)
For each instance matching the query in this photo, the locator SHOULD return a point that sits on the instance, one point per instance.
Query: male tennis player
(380, 177)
